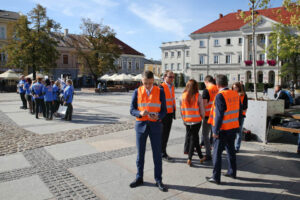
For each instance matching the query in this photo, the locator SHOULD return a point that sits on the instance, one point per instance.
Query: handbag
(62, 109)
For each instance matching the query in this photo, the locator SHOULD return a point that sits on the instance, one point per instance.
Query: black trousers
(225, 141)
(22, 95)
(167, 124)
(39, 107)
(192, 132)
(29, 100)
(49, 109)
(69, 112)
(56, 106)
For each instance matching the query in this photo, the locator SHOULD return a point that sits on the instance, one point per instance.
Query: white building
(224, 47)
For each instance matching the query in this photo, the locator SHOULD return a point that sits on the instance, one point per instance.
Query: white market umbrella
(111, 78)
(138, 77)
(9, 75)
(104, 77)
(156, 78)
(38, 74)
(123, 77)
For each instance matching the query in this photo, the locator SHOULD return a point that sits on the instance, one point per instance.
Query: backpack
(289, 95)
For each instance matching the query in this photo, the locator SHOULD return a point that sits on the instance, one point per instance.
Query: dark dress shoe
(208, 158)
(229, 175)
(167, 158)
(136, 183)
(212, 180)
(161, 187)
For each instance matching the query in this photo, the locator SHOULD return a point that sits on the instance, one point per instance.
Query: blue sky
(142, 24)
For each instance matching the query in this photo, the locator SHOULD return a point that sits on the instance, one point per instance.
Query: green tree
(30, 43)
(102, 50)
(181, 81)
(285, 41)
(254, 19)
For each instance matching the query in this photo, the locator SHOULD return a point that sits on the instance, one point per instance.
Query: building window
(172, 54)
(240, 41)
(239, 77)
(166, 66)
(250, 56)
(178, 54)
(129, 65)
(239, 58)
(124, 64)
(65, 59)
(201, 43)
(228, 77)
(120, 64)
(201, 60)
(216, 43)
(228, 59)
(172, 66)
(2, 58)
(228, 41)
(200, 77)
(137, 66)
(261, 56)
(166, 54)
(187, 65)
(187, 53)
(216, 59)
(2, 32)
(262, 39)
(178, 66)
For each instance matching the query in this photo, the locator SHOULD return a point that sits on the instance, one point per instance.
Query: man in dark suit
(226, 119)
(148, 105)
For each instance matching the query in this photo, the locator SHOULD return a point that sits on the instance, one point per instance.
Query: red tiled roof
(231, 22)
(126, 49)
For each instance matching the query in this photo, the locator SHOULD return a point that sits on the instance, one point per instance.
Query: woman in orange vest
(244, 102)
(192, 113)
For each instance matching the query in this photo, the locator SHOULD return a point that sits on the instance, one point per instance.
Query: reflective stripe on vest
(150, 103)
(213, 91)
(170, 99)
(190, 113)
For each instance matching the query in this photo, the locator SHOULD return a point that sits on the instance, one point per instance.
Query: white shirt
(149, 91)
(170, 87)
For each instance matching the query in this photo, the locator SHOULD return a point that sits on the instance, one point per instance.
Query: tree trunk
(33, 72)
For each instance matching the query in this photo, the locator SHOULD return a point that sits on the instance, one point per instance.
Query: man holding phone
(148, 105)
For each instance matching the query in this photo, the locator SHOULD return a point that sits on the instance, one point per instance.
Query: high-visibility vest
(231, 115)
(213, 91)
(190, 113)
(170, 98)
(150, 103)
(242, 102)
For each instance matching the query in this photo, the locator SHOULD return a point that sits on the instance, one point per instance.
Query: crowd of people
(221, 111)
(44, 97)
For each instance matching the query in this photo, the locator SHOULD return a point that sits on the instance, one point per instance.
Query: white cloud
(158, 17)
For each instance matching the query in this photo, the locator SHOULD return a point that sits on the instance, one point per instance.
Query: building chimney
(221, 15)
(66, 32)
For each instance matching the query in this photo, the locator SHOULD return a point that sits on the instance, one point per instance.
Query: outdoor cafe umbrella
(9, 75)
(38, 74)
(104, 77)
(123, 77)
(138, 77)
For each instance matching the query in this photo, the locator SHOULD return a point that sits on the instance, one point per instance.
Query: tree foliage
(100, 52)
(30, 44)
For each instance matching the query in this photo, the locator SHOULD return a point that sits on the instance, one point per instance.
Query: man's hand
(65, 103)
(153, 116)
(144, 113)
(215, 136)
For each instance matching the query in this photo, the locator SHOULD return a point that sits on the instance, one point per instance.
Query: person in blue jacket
(37, 91)
(22, 92)
(56, 92)
(26, 87)
(68, 99)
(48, 99)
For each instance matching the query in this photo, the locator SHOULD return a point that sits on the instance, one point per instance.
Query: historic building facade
(154, 66)
(225, 47)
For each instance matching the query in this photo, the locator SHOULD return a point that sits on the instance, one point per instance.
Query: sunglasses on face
(171, 76)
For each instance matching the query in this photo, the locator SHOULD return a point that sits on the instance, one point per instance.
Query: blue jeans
(239, 135)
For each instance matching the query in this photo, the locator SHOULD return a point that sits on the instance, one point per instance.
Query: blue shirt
(20, 86)
(56, 92)
(27, 88)
(48, 93)
(68, 94)
(37, 89)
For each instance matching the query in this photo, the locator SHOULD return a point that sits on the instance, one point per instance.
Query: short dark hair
(222, 80)
(148, 74)
(209, 79)
(166, 73)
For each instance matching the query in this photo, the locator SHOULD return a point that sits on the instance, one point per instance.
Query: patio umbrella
(138, 77)
(123, 77)
(37, 74)
(156, 78)
(111, 78)
(9, 75)
(103, 78)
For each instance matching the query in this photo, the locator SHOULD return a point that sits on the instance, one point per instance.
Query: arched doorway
(248, 77)
(260, 77)
(272, 77)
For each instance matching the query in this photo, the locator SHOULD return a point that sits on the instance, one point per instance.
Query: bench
(291, 130)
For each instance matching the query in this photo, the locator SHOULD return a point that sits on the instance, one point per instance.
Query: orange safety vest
(190, 113)
(170, 99)
(150, 103)
(213, 91)
(242, 102)
(231, 115)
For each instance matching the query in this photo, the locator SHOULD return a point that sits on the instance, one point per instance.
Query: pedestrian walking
(225, 120)
(37, 90)
(22, 92)
(28, 96)
(244, 102)
(208, 96)
(148, 105)
(192, 112)
(169, 91)
(48, 98)
(68, 99)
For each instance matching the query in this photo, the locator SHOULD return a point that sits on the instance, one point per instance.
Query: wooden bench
(291, 130)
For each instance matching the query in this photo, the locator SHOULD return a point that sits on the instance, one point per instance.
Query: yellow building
(154, 66)
(6, 17)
